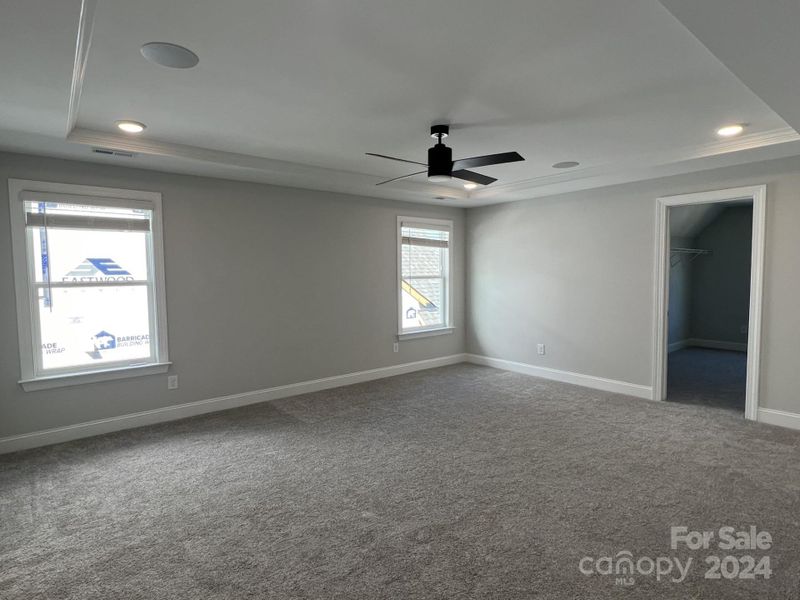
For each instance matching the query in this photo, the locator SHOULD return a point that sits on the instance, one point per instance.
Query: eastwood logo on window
(98, 269)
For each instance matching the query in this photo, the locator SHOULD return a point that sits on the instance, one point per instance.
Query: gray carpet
(460, 482)
(707, 377)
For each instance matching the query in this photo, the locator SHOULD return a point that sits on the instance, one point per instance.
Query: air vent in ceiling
(110, 152)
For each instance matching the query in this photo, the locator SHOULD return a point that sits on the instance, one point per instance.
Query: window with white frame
(424, 268)
(89, 281)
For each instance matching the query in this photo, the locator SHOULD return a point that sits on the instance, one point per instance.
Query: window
(88, 267)
(424, 293)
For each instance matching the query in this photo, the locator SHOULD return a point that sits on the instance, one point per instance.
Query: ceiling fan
(441, 167)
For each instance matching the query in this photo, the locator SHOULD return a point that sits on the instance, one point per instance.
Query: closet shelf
(678, 254)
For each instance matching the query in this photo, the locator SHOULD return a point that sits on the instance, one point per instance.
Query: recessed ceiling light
(169, 55)
(131, 126)
(730, 130)
(567, 164)
(470, 186)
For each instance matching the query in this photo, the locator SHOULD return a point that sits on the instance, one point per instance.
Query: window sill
(54, 381)
(424, 333)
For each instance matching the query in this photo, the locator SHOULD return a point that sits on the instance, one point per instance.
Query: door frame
(756, 193)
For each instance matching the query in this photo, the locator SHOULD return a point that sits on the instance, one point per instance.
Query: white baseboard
(781, 418)
(190, 409)
(674, 346)
(717, 344)
(598, 383)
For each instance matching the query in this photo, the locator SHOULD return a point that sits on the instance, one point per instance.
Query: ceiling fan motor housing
(441, 167)
(440, 161)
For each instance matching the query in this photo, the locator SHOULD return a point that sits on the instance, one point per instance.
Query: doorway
(703, 332)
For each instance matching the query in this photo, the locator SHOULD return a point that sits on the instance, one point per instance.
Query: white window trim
(22, 284)
(422, 332)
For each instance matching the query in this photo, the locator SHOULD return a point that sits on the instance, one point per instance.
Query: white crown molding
(82, 45)
(711, 150)
(762, 146)
(140, 145)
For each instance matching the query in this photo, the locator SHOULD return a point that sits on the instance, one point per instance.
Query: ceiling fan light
(439, 178)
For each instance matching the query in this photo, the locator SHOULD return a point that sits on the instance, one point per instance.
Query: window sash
(40, 371)
(406, 267)
(36, 324)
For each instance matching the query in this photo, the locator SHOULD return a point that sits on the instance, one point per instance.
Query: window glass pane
(76, 255)
(423, 260)
(88, 254)
(423, 302)
(89, 326)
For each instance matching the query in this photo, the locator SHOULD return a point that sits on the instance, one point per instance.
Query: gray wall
(680, 288)
(265, 286)
(720, 287)
(575, 272)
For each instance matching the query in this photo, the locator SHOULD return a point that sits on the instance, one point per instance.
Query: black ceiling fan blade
(402, 177)
(485, 161)
(473, 177)
(412, 162)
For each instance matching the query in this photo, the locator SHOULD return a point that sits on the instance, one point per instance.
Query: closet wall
(709, 297)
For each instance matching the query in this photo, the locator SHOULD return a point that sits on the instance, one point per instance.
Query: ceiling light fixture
(730, 130)
(131, 126)
(439, 178)
(169, 55)
(567, 164)
(442, 168)
(470, 186)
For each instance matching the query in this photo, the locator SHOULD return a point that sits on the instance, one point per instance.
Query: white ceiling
(293, 92)
(757, 41)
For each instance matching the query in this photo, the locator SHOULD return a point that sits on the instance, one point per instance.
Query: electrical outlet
(540, 349)
(396, 347)
(172, 382)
